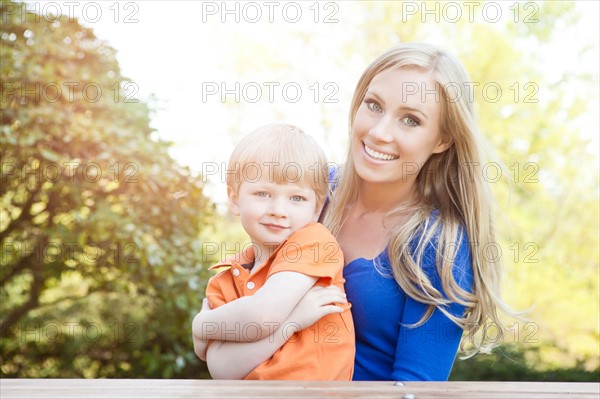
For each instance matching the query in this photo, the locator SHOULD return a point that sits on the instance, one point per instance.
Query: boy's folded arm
(200, 349)
(264, 311)
(223, 357)
(200, 344)
(224, 360)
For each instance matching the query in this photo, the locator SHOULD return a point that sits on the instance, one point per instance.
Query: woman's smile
(380, 156)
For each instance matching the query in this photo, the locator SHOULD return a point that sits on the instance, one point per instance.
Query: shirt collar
(241, 258)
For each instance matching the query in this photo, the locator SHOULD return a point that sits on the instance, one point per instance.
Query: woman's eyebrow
(403, 107)
(416, 110)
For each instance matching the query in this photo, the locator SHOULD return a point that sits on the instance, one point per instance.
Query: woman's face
(397, 126)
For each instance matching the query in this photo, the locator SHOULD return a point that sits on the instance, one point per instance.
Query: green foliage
(102, 266)
(512, 362)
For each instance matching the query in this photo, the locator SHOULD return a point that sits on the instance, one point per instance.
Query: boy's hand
(316, 303)
(200, 345)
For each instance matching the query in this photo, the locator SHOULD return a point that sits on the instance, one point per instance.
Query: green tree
(102, 266)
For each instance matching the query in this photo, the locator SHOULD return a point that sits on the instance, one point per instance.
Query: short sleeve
(312, 251)
(214, 291)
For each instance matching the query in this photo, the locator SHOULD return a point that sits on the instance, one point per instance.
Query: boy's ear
(233, 201)
(318, 212)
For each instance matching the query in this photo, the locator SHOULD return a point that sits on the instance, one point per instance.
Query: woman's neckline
(367, 259)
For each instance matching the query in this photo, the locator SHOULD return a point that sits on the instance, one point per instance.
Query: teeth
(379, 155)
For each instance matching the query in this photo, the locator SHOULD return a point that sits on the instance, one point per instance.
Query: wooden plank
(150, 389)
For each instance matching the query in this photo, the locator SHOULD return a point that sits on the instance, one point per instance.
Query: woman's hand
(316, 303)
(200, 344)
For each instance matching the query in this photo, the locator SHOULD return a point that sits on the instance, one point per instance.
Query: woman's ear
(234, 203)
(442, 146)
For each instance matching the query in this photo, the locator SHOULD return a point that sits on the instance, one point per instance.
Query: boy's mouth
(274, 226)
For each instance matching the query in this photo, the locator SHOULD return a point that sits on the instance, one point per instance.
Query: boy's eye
(297, 198)
(373, 105)
(262, 194)
(410, 121)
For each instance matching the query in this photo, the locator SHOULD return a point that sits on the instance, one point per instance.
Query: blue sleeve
(427, 353)
(332, 174)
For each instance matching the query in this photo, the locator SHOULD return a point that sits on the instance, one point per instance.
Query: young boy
(277, 183)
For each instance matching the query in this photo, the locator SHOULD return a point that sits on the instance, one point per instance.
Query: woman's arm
(427, 352)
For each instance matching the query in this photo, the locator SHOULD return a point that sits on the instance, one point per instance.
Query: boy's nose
(278, 208)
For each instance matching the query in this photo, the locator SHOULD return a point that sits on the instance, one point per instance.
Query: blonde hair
(451, 182)
(282, 152)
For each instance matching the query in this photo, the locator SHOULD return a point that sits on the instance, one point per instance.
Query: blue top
(386, 349)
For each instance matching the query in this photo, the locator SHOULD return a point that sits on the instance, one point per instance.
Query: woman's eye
(262, 194)
(297, 198)
(410, 121)
(373, 106)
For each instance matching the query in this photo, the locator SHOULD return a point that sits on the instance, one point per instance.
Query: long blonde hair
(451, 182)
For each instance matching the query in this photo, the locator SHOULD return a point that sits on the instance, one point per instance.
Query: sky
(187, 55)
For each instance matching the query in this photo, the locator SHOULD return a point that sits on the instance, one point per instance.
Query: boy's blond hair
(282, 152)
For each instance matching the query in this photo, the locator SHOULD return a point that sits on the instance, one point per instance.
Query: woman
(412, 212)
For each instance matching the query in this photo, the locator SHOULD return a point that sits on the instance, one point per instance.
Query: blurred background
(118, 118)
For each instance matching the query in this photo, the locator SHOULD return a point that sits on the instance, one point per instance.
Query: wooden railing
(148, 389)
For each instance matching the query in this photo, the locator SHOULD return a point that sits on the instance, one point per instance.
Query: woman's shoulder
(431, 230)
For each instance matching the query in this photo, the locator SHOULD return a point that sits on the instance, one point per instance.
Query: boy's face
(271, 212)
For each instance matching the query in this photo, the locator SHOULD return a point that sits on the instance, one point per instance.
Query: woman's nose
(381, 131)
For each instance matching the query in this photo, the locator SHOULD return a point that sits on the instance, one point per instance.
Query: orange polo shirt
(323, 351)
